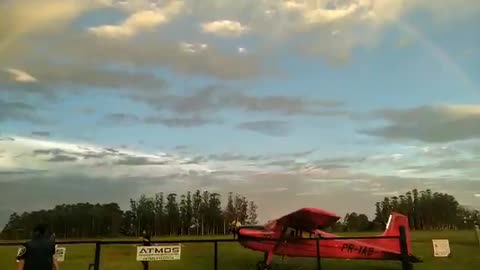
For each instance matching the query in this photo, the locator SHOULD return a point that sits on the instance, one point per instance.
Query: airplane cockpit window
(296, 233)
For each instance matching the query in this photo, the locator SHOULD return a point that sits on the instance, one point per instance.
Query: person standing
(146, 242)
(38, 253)
(235, 227)
(234, 232)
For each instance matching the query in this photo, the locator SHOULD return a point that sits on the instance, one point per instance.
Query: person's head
(40, 230)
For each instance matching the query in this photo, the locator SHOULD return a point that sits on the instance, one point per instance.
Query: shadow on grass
(326, 264)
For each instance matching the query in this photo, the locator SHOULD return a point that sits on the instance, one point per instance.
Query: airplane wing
(307, 219)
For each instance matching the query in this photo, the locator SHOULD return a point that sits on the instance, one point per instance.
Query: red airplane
(289, 236)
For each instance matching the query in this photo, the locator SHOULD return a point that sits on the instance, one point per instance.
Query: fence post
(406, 264)
(215, 257)
(98, 249)
(319, 265)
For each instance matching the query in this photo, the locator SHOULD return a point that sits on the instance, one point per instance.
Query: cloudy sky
(323, 103)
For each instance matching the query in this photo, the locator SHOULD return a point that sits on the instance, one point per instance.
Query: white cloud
(446, 11)
(21, 18)
(441, 123)
(20, 75)
(136, 5)
(310, 193)
(269, 12)
(293, 5)
(334, 181)
(271, 190)
(405, 171)
(193, 47)
(70, 167)
(25, 153)
(242, 50)
(225, 28)
(388, 157)
(460, 111)
(139, 21)
(386, 193)
(355, 16)
(381, 12)
(321, 15)
(317, 22)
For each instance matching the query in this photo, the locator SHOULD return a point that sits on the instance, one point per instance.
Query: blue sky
(383, 96)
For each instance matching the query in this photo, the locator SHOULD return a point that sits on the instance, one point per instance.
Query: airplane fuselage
(294, 246)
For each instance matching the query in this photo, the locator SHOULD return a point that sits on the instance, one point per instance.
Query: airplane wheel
(263, 266)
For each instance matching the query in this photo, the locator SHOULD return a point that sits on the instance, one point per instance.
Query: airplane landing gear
(265, 264)
(261, 265)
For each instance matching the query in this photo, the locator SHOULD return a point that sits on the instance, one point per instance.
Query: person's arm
(20, 264)
(54, 260)
(55, 264)
(22, 253)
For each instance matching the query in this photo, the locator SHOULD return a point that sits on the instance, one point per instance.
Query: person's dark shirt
(38, 254)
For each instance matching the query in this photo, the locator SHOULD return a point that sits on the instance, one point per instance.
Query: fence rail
(404, 256)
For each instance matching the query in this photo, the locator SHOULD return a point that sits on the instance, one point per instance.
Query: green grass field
(465, 256)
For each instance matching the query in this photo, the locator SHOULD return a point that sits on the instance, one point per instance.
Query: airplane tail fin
(395, 221)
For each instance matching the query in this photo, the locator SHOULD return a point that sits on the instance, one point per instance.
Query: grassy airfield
(231, 256)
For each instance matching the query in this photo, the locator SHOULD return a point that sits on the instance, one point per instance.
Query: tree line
(426, 210)
(198, 213)
(201, 213)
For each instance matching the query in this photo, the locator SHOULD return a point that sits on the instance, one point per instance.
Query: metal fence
(404, 256)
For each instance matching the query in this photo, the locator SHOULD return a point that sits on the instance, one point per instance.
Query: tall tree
(394, 204)
(241, 209)
(229, 212)
(410, 209)
(252, 213)
(237, 204)
(189, 212)
(386, 209)
(159, 214)
(128, 223)
(197, 204)
(136, 222)
(378, 212)
(416, 210)
(183, 215)
(356, 222)
(146, 214)
(422, 209)
(214, 213)
(204, 213)
(173, 214)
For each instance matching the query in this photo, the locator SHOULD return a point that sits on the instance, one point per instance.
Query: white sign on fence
(59, 253)
(441, 247)
(158, 253)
